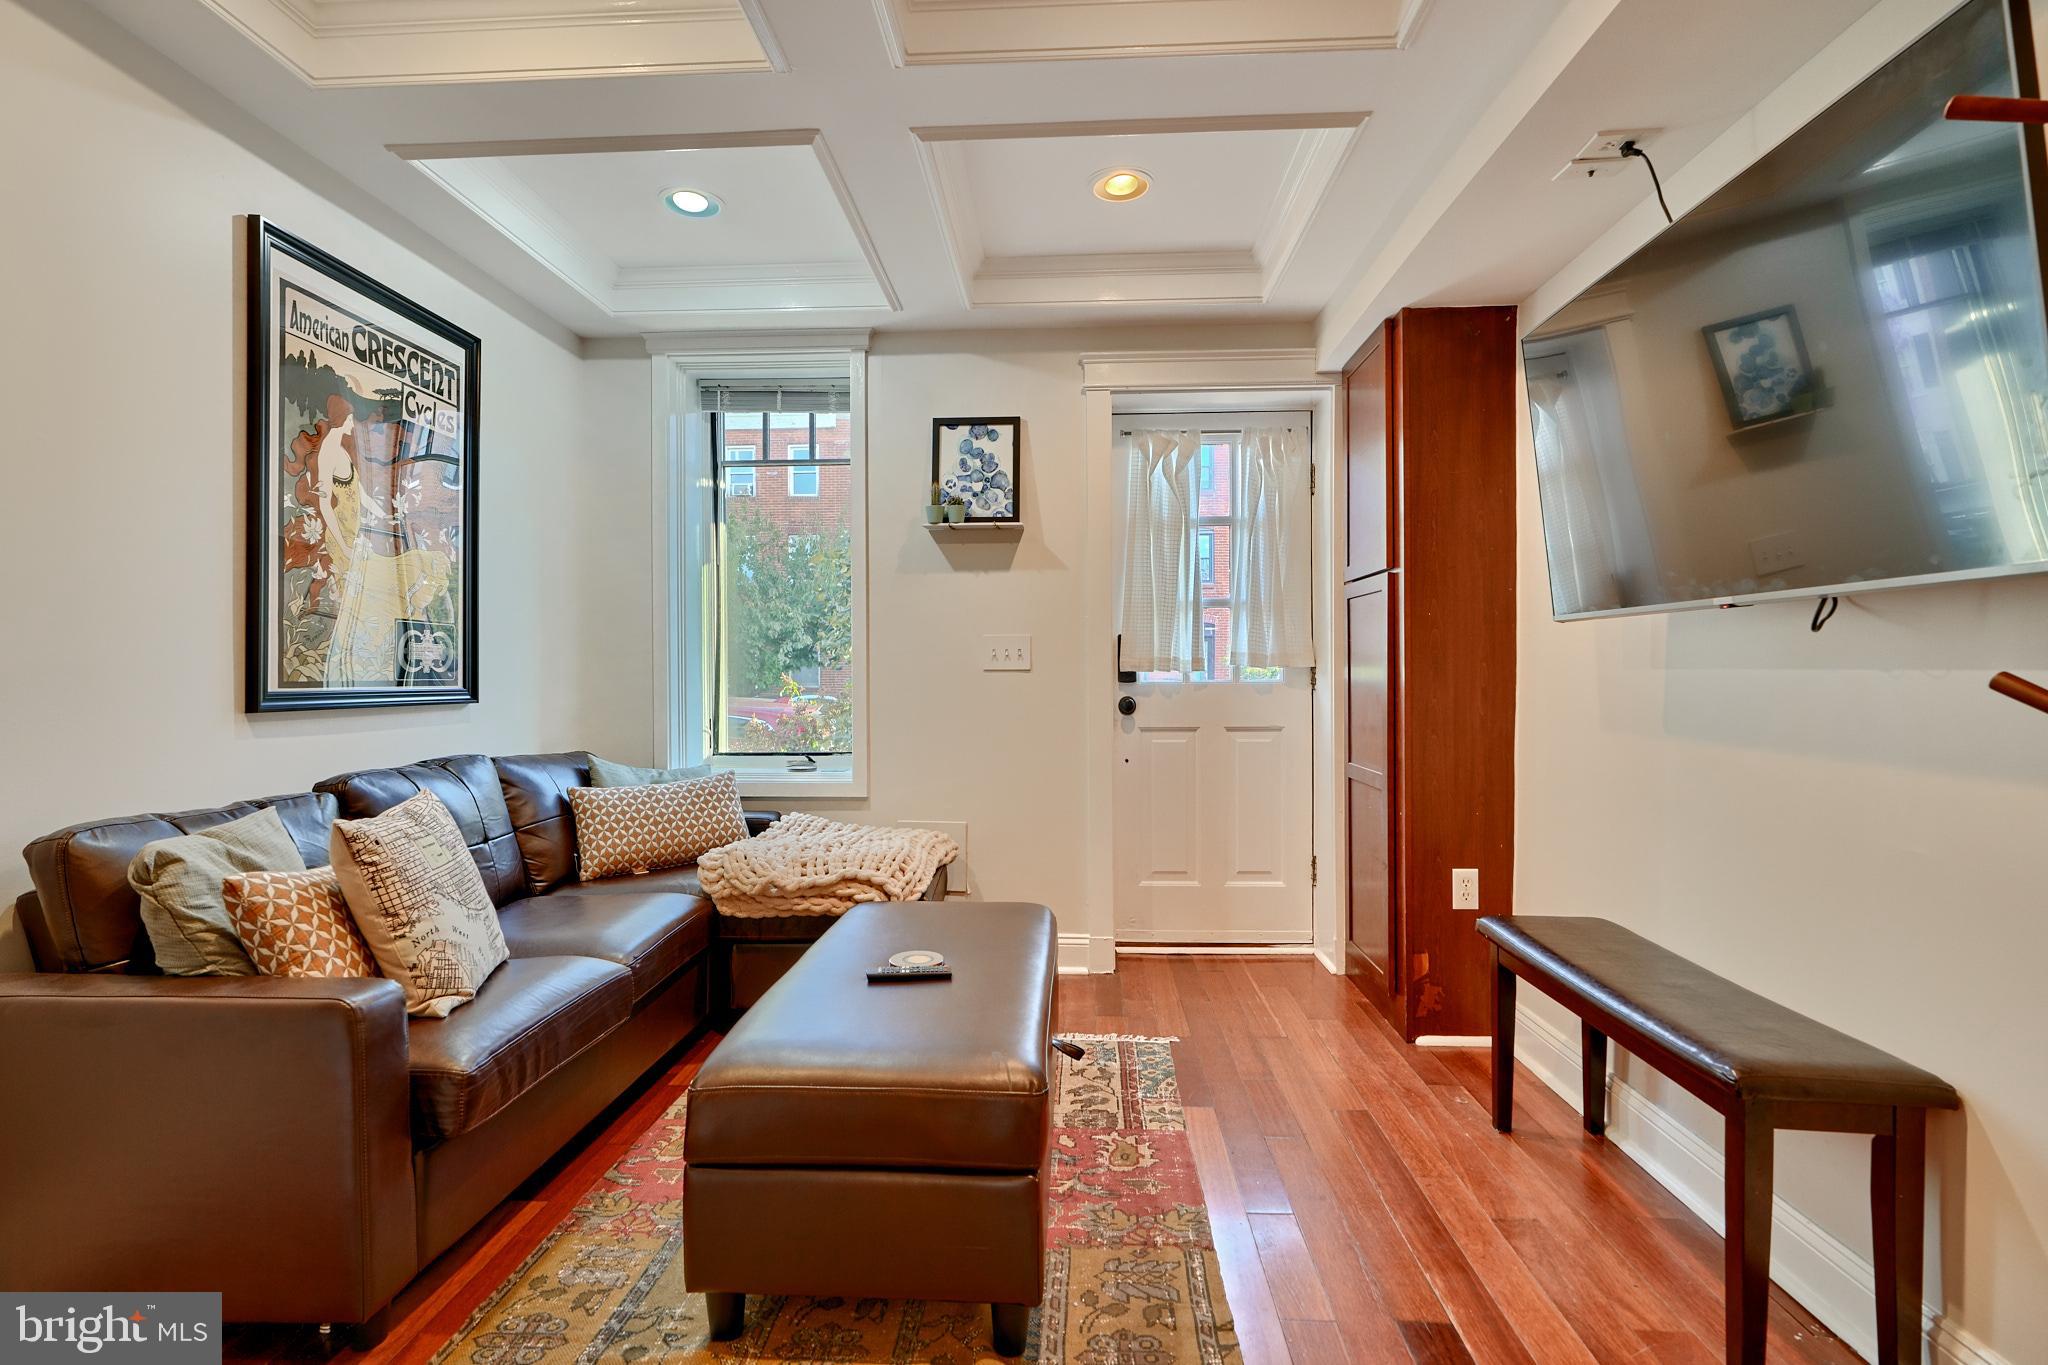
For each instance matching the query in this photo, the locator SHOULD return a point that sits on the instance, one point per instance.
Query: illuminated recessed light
(691, 203)
(1122, 184)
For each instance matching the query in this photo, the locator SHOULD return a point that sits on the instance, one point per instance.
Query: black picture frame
(945, 448)
(1788, 400)
(406, 357)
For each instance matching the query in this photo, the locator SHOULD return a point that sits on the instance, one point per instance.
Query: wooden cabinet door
(1365, 496)
(1370, 930)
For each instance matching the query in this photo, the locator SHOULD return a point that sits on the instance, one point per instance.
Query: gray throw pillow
(605, 773)
(179, 881)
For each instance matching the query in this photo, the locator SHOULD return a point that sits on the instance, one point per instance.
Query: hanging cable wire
(1629, 148)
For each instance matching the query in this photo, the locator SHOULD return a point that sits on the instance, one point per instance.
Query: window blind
(762, 395)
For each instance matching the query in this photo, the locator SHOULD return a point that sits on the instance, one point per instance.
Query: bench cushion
(1756, 1046)
(827, 1070)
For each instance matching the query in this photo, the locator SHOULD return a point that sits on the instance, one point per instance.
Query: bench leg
(1503, 1046)
(728, 1314)
(1898, 1216)
(1012, 1327)
(1747, 1232)
(1593, 1069)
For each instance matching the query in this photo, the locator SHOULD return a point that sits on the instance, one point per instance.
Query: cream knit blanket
(808, 865)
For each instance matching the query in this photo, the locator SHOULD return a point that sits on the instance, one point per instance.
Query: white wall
(948, 741)
(1849, 823)
(121, 546)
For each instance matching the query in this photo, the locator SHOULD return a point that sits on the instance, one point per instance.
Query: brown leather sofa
(302, 1146)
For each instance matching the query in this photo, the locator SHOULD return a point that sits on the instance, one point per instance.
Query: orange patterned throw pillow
(296, 924)
(415, 893)
(644, 829)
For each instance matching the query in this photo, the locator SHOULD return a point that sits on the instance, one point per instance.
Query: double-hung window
(768, 579)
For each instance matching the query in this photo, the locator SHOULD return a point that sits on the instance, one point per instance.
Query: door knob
(1126, 705)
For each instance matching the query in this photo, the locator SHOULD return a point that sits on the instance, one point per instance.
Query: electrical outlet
(1006, 653)
(1775, 554)
(1608, 143)
(1464, 888)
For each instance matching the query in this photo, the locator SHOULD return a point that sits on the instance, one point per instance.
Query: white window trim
(733, 456)
(752, 484)
(684, 545)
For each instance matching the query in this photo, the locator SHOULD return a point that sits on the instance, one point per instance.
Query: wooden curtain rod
(1994, 109)
(2020, 690)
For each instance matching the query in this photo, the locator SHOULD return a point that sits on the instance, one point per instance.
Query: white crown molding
(1173, 371)
(922, 32)
(716, 345)
(1832, 1281)
(476, 175)
(1245, 275)
(409, 42)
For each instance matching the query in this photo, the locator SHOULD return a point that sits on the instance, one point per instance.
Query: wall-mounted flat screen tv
(1830, 377)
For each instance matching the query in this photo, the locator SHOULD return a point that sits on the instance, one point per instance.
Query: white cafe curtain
(1269, 550)
(1162, 583)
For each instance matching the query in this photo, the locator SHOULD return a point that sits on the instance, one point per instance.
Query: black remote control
(886, 973)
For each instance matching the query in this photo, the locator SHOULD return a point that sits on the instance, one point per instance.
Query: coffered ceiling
(930, 163)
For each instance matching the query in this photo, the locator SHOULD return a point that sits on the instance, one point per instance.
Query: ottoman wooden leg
(1012, 1326)
(728, 1313)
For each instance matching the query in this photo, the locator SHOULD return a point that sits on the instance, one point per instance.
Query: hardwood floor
(1364, 1209)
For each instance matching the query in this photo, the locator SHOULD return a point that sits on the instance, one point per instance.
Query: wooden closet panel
(1455, 692)
(1369, 931)
(1365, 489)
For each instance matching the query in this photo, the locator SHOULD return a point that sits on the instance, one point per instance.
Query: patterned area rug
(1130, 1271)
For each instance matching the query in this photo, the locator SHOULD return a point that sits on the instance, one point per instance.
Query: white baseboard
(1452, 1040)
(1833, 1282)
(1082, 954)
(1125, 949)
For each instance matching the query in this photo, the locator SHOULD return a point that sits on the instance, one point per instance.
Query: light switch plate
(1775, 554)
(1006, 653)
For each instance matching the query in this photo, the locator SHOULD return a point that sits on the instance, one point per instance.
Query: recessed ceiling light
(1122, 184)
(691, 203)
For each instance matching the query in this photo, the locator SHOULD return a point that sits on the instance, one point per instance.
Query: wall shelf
(974, 526)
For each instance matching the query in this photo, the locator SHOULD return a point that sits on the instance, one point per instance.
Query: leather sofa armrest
(249, 1135)
(759, 820)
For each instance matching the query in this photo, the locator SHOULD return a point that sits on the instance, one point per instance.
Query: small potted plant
(956, 510)
(935, 510)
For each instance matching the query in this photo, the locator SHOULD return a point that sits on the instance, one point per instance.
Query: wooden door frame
(1223, 381)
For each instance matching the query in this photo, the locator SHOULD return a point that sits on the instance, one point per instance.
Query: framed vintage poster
(362, 489)
(975, 461)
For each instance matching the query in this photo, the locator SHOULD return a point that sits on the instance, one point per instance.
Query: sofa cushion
(297, 924)
(678, 879)
(85, 916)
(536, 791)
(605, 773)
(420, 903)
(534, 1015)
(179, 882)
(646, 829)
(650, 933)
(468, 786)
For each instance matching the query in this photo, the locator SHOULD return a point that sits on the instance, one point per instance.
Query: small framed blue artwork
(1762, 365)
(975, 460)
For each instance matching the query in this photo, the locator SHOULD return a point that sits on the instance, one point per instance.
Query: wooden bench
(1762, 1066)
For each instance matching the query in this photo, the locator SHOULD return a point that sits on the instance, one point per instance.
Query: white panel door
(1213, 814)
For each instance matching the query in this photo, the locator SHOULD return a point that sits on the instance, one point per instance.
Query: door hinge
(1312, 870)
(1311, 677)
(1311, 480)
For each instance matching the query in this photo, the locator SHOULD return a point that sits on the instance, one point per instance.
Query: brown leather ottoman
(882, 1141)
